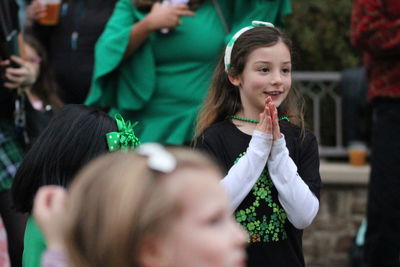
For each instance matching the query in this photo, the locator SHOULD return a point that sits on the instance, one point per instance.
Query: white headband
(159, 159)
(229, 47)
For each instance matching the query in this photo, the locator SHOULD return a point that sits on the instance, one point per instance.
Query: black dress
(274, 241)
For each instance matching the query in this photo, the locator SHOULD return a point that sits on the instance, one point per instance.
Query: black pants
(382, 241)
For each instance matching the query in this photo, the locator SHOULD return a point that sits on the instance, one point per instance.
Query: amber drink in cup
(357, 154)
(52, 12)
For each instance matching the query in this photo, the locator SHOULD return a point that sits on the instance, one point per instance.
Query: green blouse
(164, 82)
(34, 245)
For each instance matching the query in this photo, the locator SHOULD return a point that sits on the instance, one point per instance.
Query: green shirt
(164, 82)
(34, 245)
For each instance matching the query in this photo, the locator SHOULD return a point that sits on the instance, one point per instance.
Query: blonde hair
(117, 202)
(223, 97)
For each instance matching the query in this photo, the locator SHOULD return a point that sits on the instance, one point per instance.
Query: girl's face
(33, 57)
(267, 73)
(205, 234)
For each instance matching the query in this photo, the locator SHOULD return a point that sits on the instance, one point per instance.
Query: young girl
(151, 208)
(274, 185)
(43, 96)
(75, 135)
(40, 99)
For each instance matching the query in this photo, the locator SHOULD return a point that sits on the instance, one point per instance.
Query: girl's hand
(265, 123)
(49, 212)
(166, 16)
(24, 75)
(276, 131)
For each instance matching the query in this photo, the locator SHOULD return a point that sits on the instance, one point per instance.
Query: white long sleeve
(244, 174)
(300, 204)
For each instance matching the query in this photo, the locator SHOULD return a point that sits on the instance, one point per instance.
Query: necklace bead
(244, 119)
(254, 121)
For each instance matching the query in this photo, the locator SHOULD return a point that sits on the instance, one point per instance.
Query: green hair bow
(125, 139)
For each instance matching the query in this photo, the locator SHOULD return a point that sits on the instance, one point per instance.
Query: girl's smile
(274, 94)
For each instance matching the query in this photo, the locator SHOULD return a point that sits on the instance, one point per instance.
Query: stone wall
(342, 208)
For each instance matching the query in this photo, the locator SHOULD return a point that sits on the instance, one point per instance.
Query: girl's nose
(276, 78)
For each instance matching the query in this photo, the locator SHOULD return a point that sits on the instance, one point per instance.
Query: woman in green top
(160, 78)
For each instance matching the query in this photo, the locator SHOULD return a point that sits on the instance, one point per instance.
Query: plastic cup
(357, 154)
(52, 12)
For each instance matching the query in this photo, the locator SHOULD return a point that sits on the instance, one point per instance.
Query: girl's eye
(264, 69)
(286, 70)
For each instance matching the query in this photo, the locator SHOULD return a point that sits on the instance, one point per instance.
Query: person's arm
(159, 17)
(244, 174)
(375, 26)
(295, 196)
(125, 34)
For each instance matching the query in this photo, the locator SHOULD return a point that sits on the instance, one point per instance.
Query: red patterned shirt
(376, 30)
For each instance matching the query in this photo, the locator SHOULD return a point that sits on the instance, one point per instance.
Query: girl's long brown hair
(145, 5)
(46, 87)
(223, 97)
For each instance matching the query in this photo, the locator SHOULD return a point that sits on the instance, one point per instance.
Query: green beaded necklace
(253, 121)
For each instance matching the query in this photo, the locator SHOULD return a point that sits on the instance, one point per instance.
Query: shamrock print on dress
(260, 213)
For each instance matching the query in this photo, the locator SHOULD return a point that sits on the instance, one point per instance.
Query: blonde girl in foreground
(156, 207)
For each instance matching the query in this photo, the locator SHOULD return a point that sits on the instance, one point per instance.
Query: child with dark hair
(253, 124)
(74, 136)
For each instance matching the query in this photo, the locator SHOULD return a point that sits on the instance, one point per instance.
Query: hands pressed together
(269, 120)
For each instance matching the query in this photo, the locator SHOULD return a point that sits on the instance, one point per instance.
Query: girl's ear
(235, 80)
(154, 253)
